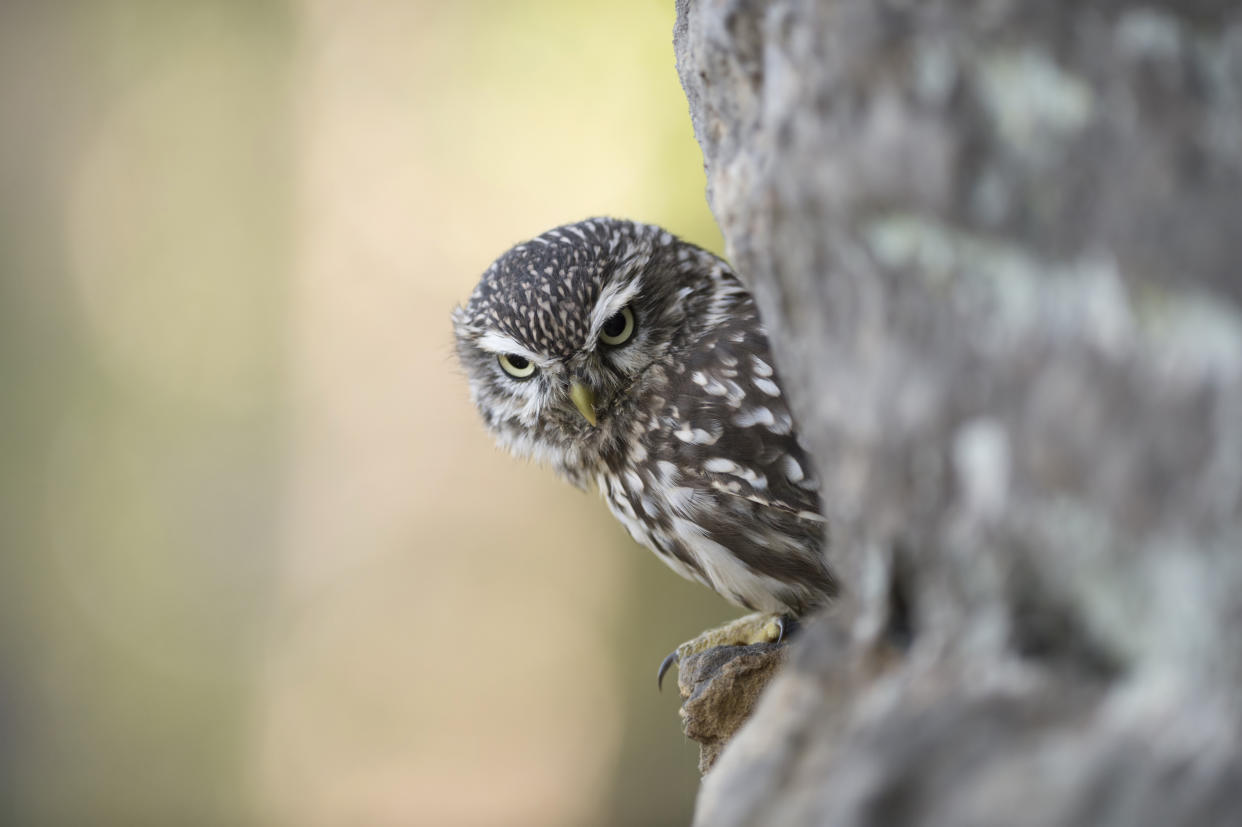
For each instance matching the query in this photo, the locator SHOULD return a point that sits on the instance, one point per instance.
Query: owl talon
(665, 664)
(786, 625)
(745, 631)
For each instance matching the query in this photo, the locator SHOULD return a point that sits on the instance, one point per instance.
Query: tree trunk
(998, 248)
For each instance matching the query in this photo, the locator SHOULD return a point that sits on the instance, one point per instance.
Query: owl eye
(519, 367)
(619, 328)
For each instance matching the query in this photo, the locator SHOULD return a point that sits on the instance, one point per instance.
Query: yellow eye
(618, 329)
(519, 367)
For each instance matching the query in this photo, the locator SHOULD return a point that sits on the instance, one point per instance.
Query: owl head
(560, 331)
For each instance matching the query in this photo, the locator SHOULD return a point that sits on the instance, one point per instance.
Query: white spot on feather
(768, 386)
(793, 471)
(758, 415)
(695, 436)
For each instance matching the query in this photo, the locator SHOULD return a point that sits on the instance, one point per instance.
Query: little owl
(633, 361)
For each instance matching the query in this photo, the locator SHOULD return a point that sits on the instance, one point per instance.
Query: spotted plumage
(636, 363)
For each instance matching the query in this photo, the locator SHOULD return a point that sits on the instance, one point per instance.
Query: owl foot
(759, 627)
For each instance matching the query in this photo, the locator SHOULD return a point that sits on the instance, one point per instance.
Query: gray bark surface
(998, 247)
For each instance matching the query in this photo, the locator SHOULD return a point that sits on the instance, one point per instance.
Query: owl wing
(733, 440)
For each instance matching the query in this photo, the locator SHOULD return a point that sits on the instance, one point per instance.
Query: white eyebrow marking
(496, 342)
(613, 297)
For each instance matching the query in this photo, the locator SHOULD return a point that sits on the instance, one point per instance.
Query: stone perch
(998, 247)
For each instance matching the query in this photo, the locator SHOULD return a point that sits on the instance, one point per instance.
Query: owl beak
(584, 400)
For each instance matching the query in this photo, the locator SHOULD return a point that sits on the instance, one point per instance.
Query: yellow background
(261, 563)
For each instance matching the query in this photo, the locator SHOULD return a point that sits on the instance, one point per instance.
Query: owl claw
(787, 625)
(664, 667)
(759, 627)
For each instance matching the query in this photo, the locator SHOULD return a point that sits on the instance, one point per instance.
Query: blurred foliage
(261, 565)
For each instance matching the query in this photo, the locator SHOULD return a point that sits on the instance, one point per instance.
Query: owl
(636, 363)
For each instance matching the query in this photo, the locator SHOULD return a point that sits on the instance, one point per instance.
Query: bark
(998, 247)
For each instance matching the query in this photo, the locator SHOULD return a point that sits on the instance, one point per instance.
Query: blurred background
(261, 564)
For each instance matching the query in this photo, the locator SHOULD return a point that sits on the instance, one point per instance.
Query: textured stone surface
(719, 688)
(999, 248)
